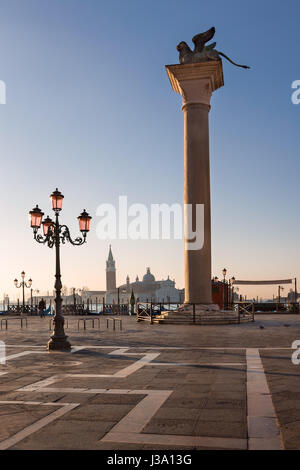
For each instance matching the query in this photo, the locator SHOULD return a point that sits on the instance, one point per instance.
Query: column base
(59, 344)
(201, 314)
(205, 308)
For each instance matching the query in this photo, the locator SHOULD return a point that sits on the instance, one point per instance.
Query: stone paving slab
(233, 429)
(193, 389)
(68, 434)
(284, 382)
(16, 417)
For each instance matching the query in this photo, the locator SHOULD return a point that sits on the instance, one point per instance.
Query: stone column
(196, 83)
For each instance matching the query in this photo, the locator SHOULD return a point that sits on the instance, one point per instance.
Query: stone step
(199, 316)
(190, 320)
(210, 318)
(199, 322)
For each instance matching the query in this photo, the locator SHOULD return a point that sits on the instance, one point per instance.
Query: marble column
(196, 82)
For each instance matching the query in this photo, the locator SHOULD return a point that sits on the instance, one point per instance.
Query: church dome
(148, 277)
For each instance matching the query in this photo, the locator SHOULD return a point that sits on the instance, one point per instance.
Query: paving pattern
(152, 387)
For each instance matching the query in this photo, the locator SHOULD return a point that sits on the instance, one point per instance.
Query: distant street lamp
(23, 284)
(232, 281)
(123, 291)
(74, 299)
(54, 235)
(37, 292)
(132, 302)
(224, 284)
(279, 289)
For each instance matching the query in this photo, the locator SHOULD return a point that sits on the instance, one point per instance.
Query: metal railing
(245, 310)
(241, 311)
(109, 321)
(145, 311)
(18, 309)
(6, 320)
(73, 309)
(85, 320)
(115, 309)
(113, 322)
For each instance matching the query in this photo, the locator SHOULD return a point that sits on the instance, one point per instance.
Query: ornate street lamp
(23, 284)
(54, 235)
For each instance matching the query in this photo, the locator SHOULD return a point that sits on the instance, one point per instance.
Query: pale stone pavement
(152, 386)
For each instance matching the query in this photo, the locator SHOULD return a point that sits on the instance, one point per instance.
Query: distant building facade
(146, 289)
(110, 272)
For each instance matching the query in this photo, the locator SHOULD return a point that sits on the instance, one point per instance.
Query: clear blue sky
(90, 110)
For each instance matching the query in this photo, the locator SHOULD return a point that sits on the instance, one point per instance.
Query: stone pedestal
(196, 83)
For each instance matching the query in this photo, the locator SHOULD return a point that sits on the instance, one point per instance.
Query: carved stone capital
(196, 92)
(196, 82)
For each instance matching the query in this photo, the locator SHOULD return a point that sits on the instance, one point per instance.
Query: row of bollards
(114, 320)
(84, 320)
(109, 321)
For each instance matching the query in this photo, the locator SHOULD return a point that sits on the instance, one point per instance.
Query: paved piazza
(152, 386)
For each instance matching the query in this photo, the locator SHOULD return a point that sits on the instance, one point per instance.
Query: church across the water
(148, 288)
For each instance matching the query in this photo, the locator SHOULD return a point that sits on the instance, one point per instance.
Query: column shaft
(196, 82)
(197, 191)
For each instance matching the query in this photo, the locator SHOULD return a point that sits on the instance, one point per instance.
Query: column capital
(197, 81)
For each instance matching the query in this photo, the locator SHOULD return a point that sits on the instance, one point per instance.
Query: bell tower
(110, 272)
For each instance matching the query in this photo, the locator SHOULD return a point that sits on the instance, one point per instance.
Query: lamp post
(123, 291)
(224, 283)
(23, 284)
(232, 281)
(54, 235)
(132, 302)
(74, 300)
(36, 299)
(279, 289)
